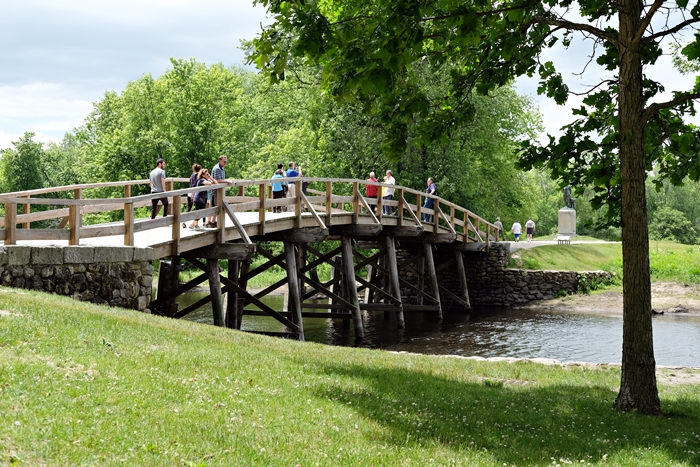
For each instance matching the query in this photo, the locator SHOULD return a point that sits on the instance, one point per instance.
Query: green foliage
(187, 115)
(21, 166)
(671, 224)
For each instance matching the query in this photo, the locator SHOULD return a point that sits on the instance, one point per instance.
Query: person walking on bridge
(371, 191)
(388, 192)
(157, 181)
(219, 175)
(430, 202)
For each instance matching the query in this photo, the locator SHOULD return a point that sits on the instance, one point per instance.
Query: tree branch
(673, 30)
(654, 108)
(646, 21)
(576, 27)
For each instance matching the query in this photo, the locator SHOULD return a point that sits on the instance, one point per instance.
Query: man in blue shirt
(293, 172)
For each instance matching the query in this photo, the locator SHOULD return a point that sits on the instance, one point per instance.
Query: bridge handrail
(78, 206)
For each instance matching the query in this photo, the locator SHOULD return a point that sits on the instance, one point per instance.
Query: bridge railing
(324, 199)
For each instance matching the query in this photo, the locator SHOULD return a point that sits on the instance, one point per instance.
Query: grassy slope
(88, 385)
(668, 261)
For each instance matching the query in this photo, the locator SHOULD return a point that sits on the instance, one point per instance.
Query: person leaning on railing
(200, 197)
(219, 176)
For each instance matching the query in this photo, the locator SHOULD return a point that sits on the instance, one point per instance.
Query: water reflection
(560, 335)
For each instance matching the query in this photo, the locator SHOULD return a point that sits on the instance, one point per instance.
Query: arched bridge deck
(328, 210)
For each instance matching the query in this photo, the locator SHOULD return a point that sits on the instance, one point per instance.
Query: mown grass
(668, 261)
(87, 385)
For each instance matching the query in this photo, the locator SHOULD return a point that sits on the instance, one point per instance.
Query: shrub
(671, 224)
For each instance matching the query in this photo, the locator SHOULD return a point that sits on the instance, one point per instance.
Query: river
(519, 333)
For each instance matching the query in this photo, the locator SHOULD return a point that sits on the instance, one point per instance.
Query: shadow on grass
(516, 423)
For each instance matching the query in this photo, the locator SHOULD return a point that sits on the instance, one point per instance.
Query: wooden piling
(462, 277)
(394, 277)
(217, 304)
(293, 286)
(430, 263)
(348, 265)
(234, 267)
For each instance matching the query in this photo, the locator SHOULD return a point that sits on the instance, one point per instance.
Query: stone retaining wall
(117, 276)
(491, 283)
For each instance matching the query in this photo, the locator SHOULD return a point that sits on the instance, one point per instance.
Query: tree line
(193, 113)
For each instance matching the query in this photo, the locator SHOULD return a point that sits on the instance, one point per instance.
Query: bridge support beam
(217, 304)
(293, 286)
(430, 263)
(462, 277)
(394, 278)
(234, 267)
(351, 287)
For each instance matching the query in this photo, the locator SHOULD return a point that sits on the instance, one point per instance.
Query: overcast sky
(57, 57)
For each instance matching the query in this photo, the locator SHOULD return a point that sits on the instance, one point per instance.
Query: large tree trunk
(638, 391)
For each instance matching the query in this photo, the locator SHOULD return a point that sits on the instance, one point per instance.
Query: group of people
(387, 193)
(282, 188)
(516, 229)
(198, 201)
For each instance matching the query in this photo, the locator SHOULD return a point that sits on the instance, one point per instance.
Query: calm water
(560, 335)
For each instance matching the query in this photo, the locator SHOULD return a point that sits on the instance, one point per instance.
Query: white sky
(57, 57)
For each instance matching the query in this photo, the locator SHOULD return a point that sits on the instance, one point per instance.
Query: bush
(671, 224)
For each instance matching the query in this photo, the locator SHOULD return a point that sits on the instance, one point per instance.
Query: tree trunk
(638, 391)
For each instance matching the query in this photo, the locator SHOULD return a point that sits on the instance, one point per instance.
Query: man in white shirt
(389, 192)
(517, 229)
(529, 229)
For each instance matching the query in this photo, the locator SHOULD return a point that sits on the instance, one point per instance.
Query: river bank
(667, 297)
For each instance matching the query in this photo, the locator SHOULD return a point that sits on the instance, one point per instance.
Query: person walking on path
(529, 229)
(499, 226)
(388, 192)
(200, 197)
(517, 229)
(193, 183)
(371, 191)
(278, 188)
(219, 175)
(157, 181)
(430, 202)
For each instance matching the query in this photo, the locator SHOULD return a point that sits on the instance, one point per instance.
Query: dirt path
(665, 296)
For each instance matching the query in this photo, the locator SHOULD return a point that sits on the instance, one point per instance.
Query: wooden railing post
(380, 203)
(221, 215)
(127, 191)
(169, 187)
(10, 224)
(355, 202)
(261, 208)
(419, 208)
(329, 207)
(128, 223)
(297, 204)
(76, 220)
(176, 226)
(26, 209)
(436, 217)
(399, 208)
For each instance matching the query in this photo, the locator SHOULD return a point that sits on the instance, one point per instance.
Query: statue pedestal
(567, 222)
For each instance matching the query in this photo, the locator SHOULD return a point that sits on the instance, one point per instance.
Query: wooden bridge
(327, 210)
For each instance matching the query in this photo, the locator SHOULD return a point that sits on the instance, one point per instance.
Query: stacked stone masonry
(491, 283)
(117, 276)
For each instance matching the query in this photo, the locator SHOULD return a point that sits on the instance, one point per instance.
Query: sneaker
(198, 228)
(194, 227)
(184, 226)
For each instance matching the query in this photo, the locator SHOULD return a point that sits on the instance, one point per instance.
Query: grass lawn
(82, 384)
(668, 261)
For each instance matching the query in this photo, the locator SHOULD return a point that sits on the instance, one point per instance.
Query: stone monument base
(567, 222)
